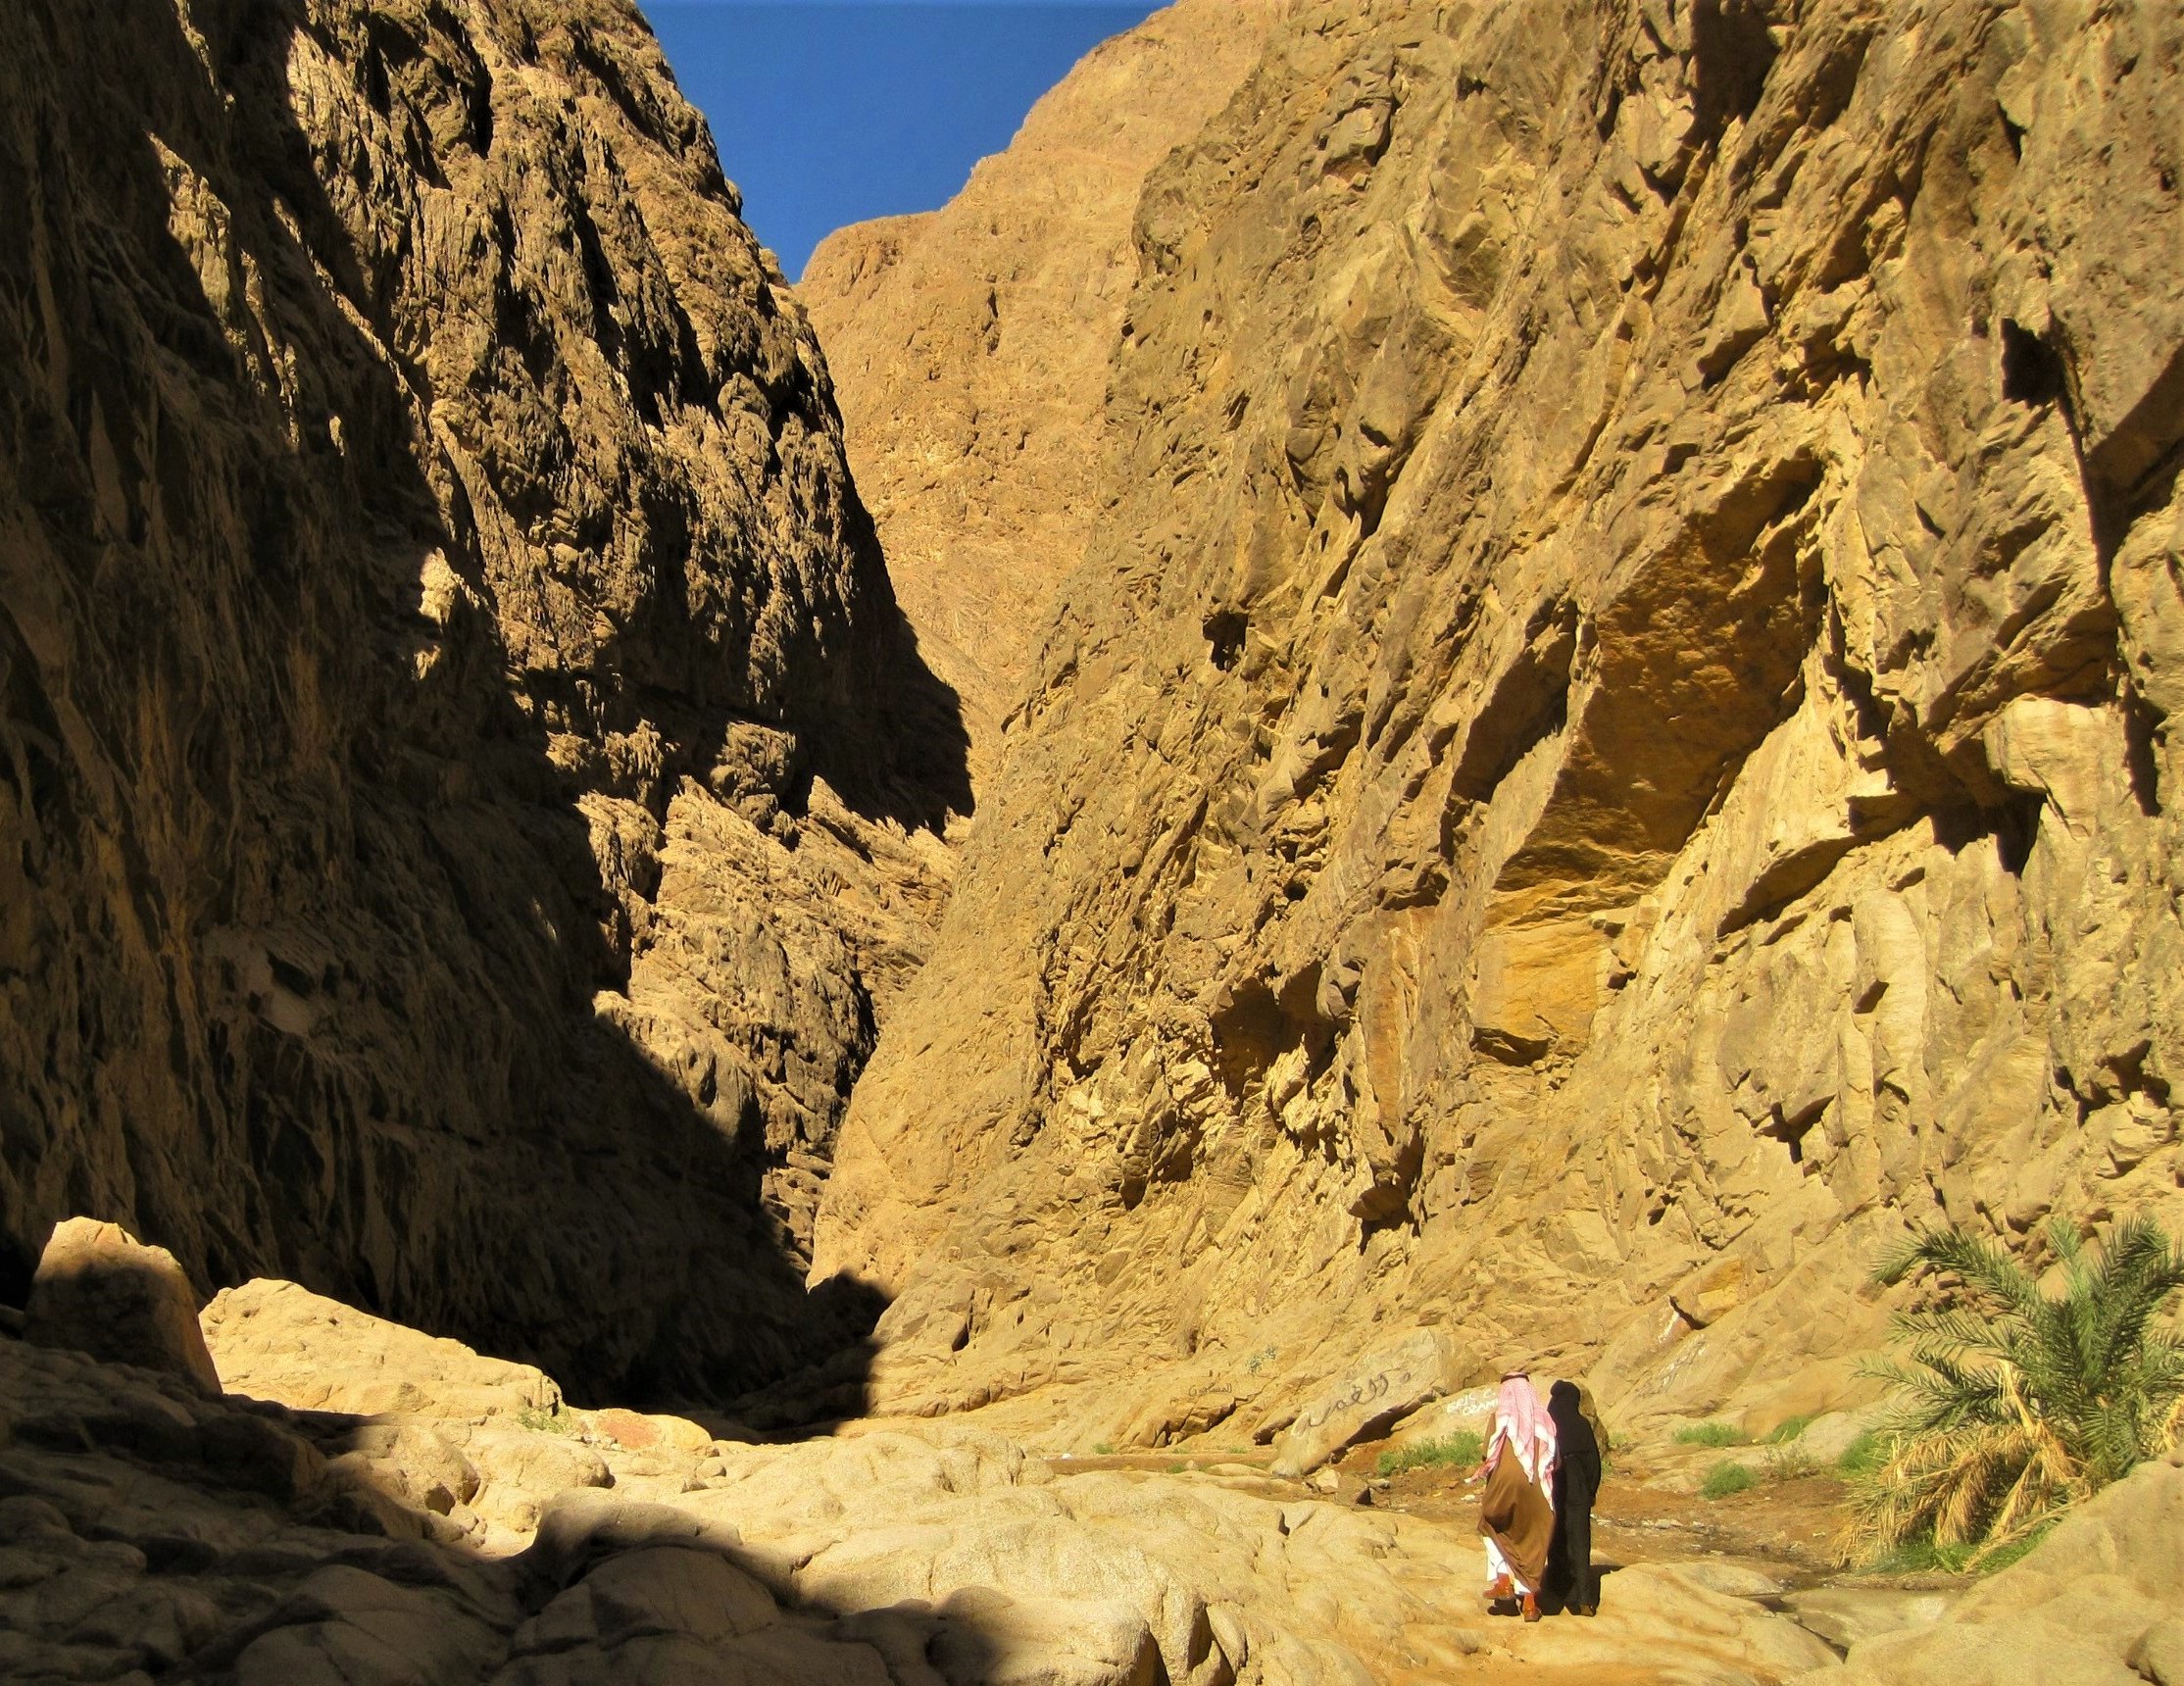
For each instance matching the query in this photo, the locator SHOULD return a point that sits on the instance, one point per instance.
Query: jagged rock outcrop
(1612, 747)
(971, 345)
(462, 771)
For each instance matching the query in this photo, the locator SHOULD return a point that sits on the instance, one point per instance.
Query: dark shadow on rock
(303, 924)
(899, 750)
(218, 1540)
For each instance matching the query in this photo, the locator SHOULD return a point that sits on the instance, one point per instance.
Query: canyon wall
(1611, 748)
(971, 345)
(466, 794)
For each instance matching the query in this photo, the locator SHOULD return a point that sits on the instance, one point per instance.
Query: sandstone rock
(101, 1291)
(1469, 1412)
(278, 1341)
(1609, 750)
(464, 866)
(520, 1473)
(639, 1433)
(1829, 1435)
(2095, 1601)
(1382, 1389)
(346, 1626)
(874, 1558)
(2158, 1654)
(969, 346)
(1843, 1616)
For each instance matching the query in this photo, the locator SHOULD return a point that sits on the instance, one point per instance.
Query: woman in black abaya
(1570, 1562)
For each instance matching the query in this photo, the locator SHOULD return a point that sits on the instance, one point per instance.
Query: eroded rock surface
(461, 771)
(971, 345)
(1612, 746)
(148, 1530)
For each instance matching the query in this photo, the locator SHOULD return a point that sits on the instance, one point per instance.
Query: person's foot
(1588, 1609)
(1499, 1590)
(1532, 1608)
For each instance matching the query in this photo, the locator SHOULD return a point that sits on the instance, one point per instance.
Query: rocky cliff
(1611, 748)
(465, 790)
(971, 346)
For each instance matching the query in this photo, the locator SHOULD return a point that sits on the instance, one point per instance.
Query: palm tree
(2014, 1402)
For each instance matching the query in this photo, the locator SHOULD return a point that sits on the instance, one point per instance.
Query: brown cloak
(1516, 1516)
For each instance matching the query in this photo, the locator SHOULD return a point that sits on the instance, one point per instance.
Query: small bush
(1464, 1449)
(553, 1421)
(1707, 1434)
(1178, 1469)
(1784, 1433)
(1725, 1479)
(2012, 1550)
(1102, 1448)
(1790, 1463)
(1922, 1557)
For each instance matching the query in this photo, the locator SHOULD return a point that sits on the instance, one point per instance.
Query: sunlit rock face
(461, 771)
(971, 346)
(1611, 746)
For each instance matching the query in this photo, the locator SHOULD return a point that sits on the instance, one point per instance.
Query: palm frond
(2009, 1401)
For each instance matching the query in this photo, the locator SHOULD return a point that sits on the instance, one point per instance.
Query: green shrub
(553, 1421)
(1463, 1449)
(1782, 1433)
(2016, 1403)
(1922, 1557)
(1707, 1434)
(2012, 1551)
(1863, 1456)
(1727, 1477)
(1102, 1448)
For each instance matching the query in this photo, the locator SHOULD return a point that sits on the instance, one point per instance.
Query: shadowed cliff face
(465, 787)
(1611, 744)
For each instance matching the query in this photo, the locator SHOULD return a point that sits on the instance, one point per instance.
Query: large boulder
(101, 1291)
(1385, 1387)
(278, 1341)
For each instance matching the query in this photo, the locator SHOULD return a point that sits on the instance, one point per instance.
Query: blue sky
(829, 112)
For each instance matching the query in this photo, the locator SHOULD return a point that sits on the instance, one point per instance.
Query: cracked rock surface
(1610, 747)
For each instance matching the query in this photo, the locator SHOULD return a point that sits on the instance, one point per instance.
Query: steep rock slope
(460, 760)
(1612, 748)
(971, 345)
